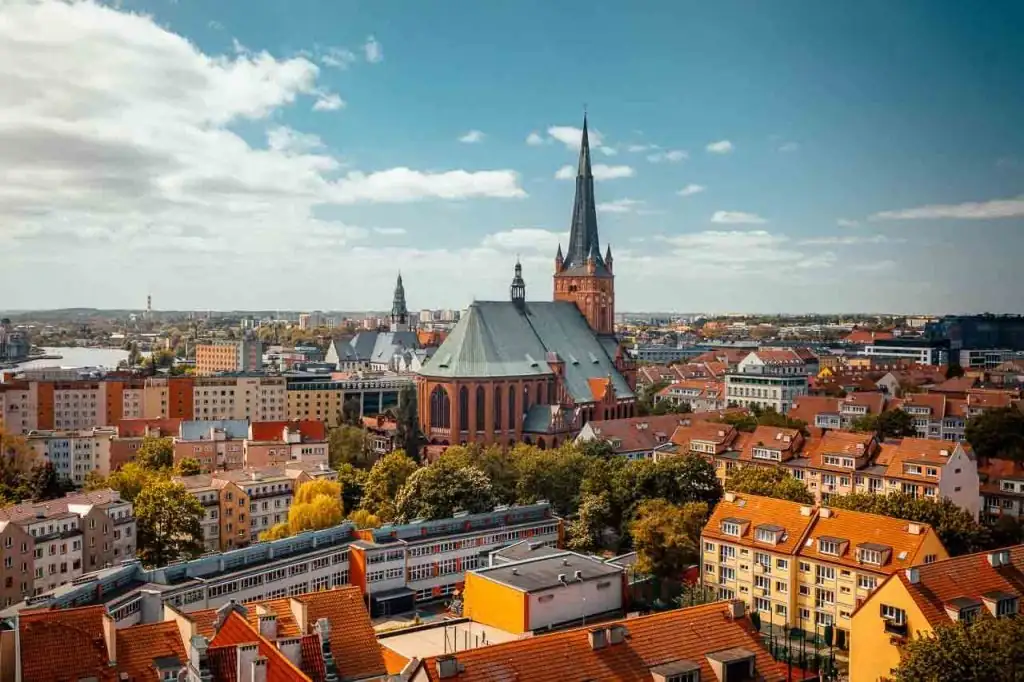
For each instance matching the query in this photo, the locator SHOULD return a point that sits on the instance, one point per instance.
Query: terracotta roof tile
(313, 658)
(644, 433)
(311, 430)
(683, 634)
(136, 428)
(970, 575)
(859, 528)
(757, 510)
(788, 441)
(864, 336)
(719, 434)
(394, 661)
(806, 407)
(353, 642)
(64, 644)
(223, 662)
(139, 645)
(955, 385)
(236, 630)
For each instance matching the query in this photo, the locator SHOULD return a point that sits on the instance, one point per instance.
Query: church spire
(518, 289)
(399, 310)
(584, 244)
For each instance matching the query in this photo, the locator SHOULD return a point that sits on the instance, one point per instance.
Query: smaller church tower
(518, 289)
(399, 311)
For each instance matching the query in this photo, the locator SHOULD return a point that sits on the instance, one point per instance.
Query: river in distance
(79, 357)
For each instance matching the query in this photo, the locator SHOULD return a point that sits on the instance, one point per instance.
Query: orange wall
(44, 397)
(495, 604)
(115, 401)
(179, 397)
(357, 568)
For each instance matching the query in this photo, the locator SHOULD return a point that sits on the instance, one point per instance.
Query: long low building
(396, 566)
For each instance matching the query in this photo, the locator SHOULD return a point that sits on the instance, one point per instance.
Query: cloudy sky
(806, 156)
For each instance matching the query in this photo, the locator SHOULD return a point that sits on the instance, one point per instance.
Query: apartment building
(1002, 488)
(942, 417)
(826, 412)
(807, 567)
(316, 636)
(282, 442)
(130, 434)
(702, 437)
(916, 600)
(319, 398)
(241, 355)
(767, 379)
(19, 412)
(310, 561)
(50, 544)
(256, 398)
(698, 394)
(74, 454)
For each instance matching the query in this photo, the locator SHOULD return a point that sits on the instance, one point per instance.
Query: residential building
(303, 638)
(382, 434)
(986, 358)
(807, 567)
(46, 545)
(640, 437)
(661, 353)
(919, 350)
(826, 412)
(214, 444)
(284, 442)
(255, 398)
(319, 398)
(74, 454)
(535, 371)
(703, 437)
(14, 343)
(710, 643)
(19, 411)
(1002, 488)
(767, 379)
(698, 394)
(556, 590)
(916, 600)
(236, 355)
(132, 432)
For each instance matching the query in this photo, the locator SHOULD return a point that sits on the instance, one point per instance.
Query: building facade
(237, 355)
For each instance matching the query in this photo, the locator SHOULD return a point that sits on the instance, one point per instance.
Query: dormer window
(1007, 607)
(870, 556)
(769, 533)
(833, 546)
(963, 609)
(730, 528)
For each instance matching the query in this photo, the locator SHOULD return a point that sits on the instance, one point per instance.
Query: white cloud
(147, 161)
(737, 218)
(637, 148)
(525, 239)
(571, 136)
(690, 190)
(373, 51)
(328, 102)
(215, 25)
(608, 151)
(601, 172)
(338, 57)
(390, 231)
(844, 222)
(619, 206)
(748, 251)
(472, 137)
(671, 156)
(855, 240)
(534, 139)
(789, 147)
(981, 210)
(720, 147)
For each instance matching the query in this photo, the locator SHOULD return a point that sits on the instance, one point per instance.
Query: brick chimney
(110, 638)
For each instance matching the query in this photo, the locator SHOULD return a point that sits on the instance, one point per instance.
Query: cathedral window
(480, 411)
(440, 409)
(497, 408)
(511, 407)
(463, 409)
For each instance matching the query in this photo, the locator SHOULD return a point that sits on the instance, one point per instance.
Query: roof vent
(915, 529)
(515, 571)
(730, 496)
(805, 511)
(825, 513)
(598, 638)
(913, 575)
(573, 360)
(617, 634)
(447, 666)
(578, 575)
(593, 358)
(529, 359)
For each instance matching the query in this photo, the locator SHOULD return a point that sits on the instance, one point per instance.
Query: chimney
(300, 614)
(268, 626)
(730, 496)
(198, 664)
(915, 529)
(247, 654)
(805, 510)
(737, 609)
(447, 666)
(825, 513)
(291, 647)
(913, 575)
(598, 638)
(110, 638)
(259, 669)
(617, 634)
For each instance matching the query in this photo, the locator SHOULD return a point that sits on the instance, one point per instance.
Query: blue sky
(791, 156)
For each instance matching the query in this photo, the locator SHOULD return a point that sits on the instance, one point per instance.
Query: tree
(439, 490)
(130, 480)
(352, 482)
(16, 462)
(155, 453)
(408, 420)
(959, 532)
(278, 531)
(351, 412)
(498, 463)
(585, 531)
(167, 519)
(997, 434)
(349, 445)
(990, 649)
(363, 519)
(94, 481)
(954, 370)
(667, 537)
(645, 399)
(553, 475)
(889, 424)
(769, 482)
(747, 422)
(320, 511)
(188, 466)
(597, 447)
(44, 484)
(134, 356)
(386, 477)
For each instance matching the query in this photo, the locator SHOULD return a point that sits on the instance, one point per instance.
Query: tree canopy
(188, 466)
(997, 434)
(990, 649)
(439, 490)
(317, 505)
(156, 453)
(167, 517)
(889, 424)
(769, 481)
(666, 537)
(383, 483)
(762, 417)
(349, 445)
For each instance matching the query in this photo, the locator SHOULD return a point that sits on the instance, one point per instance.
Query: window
(766, 535)
(782, 564)
(763, 582)
(805, 567)
(867, 582)
(871, 556)
(828, 546)
(894, 615)
(1006, 607)
(726, 552)
(728, 573)
(709, 547)
(930, 558)
(762, 604)
(823, 573)
(730, 528)
(764, 561)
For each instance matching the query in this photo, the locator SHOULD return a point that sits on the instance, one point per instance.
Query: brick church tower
(582, 276)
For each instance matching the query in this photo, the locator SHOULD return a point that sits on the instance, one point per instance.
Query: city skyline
(820, 159)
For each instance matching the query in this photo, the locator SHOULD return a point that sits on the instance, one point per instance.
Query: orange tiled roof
(353, 643)
(955, 385)
(136, 428)
(991, 471)
(865, 336)
(310, 429)
(860, 527)
(394, 661)
(758, 511)
(970, 575)
(935, 401)
(683, 634)
(236, 630)
(788, 441)
(599, 387)
(139, 645)
(873, 400)
(806, 407)
(64, 644)
(719, 434)
(644, 433)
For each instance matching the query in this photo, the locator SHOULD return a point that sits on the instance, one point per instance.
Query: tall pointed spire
(399, 310)
(584, 243)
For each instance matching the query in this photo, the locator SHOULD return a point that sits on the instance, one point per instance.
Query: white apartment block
(258, 399)
(764, 390)
(74, 454)
(18, 408)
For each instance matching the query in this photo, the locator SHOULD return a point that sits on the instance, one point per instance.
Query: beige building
(19, 407)
(242, 355)
(74, 454)
(257, 399)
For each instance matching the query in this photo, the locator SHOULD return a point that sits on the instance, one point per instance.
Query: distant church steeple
(399, 311)
(518, 289)
(582, 275)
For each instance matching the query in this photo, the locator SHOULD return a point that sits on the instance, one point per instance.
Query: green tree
(667, 536)
(134, 356)
(645, 399)
(130, 480)
(954, 370)
(769, 482)
(592, 518)
(597, 448)
(363, 519)
(44, 484)
(498, 463)
(350, 412)
(155, 453)
(889, 424)
(188, 466)
(317, 505)
(278, 531)
(959, 532)
(386, 477)
(407, 418)
(553, 475)
(997, 434)
(990, 649)
(95, 481)
(349, 445)
(352, 481)
(439, 490)
(167, 518)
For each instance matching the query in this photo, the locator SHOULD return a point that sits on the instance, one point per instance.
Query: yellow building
(807, 567)
(917, 600)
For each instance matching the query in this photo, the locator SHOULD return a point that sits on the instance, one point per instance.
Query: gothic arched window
(497, 408)
(440, 409)
(463, 409)
(511, 407)
(481, 401)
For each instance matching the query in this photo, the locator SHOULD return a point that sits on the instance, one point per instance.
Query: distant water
(80, 357)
